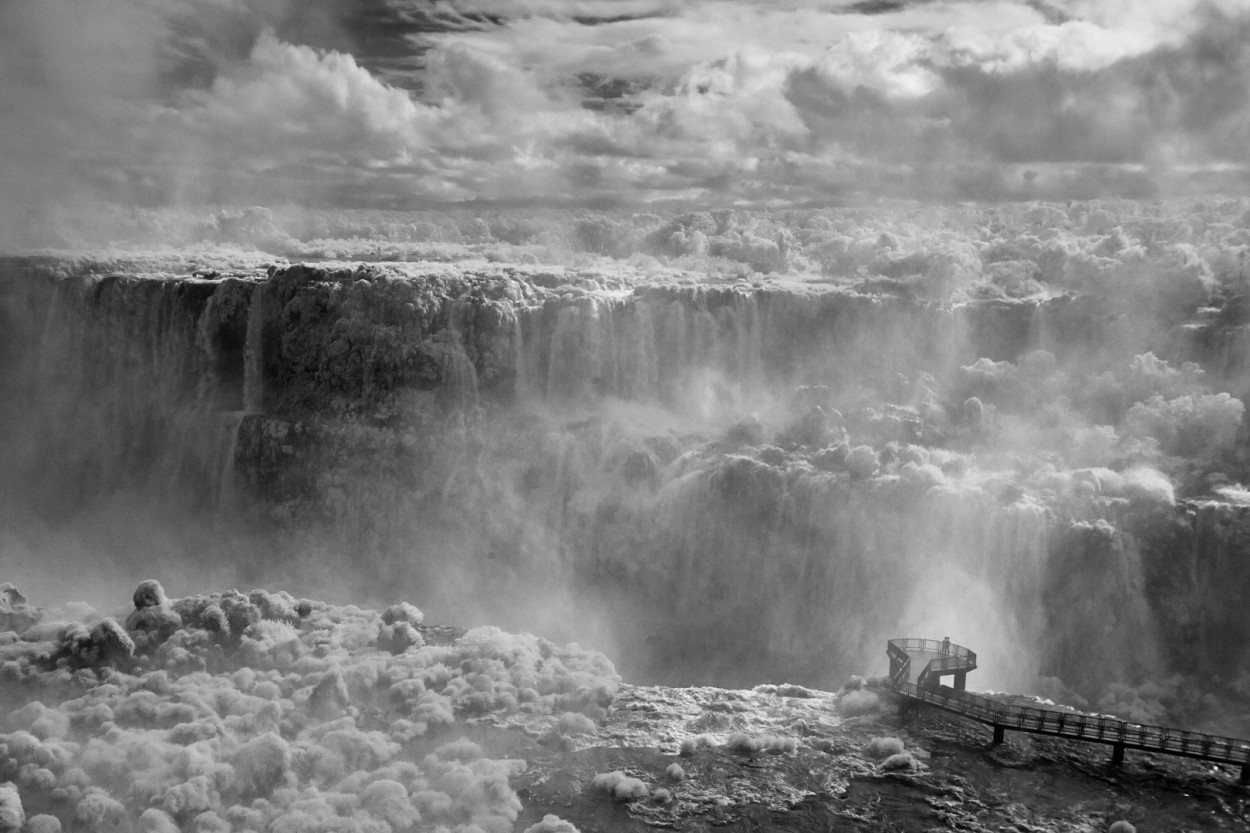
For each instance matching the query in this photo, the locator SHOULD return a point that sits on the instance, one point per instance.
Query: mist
(713, 444)
(396, 398)
(722, 341)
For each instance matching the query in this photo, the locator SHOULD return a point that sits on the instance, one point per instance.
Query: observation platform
(918, 665)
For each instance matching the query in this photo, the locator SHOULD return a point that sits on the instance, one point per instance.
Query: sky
(417, 103)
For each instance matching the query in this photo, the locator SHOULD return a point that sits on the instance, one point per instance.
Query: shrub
(399, 637)
(691, 745)
(620, 786)
(1187, 426)
(43, 823)
(552, 824)
(604, 236)
(402, 612)
(575, 723)
(785, 690)
(900, 762)
(744, 744)
(883, 747)
(858, 702)
(12, 816)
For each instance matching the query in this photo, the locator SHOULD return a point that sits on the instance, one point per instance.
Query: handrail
(952, 658)
(1083, 726)
(900, 677)
(1071, 724)
(949, 650)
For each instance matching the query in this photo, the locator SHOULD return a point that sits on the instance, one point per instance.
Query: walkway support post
(961, 680)
(956, 661)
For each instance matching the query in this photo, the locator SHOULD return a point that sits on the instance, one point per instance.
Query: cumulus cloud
(405, 104)
(293, 94)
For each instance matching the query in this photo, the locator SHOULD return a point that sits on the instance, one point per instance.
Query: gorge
(736, 479)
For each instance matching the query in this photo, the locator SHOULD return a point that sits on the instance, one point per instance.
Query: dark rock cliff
(670, 459)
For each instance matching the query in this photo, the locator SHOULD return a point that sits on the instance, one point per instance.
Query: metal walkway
(916, 669)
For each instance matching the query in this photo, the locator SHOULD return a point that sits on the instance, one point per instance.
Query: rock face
(513, 438)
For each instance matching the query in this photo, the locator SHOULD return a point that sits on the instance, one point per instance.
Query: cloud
(289, 94)
(397, 102)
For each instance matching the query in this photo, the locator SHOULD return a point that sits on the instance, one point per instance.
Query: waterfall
(458, 373)
(224, 454)
(254, 354)
(484, 443)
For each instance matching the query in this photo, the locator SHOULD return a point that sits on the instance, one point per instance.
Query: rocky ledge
(234, 712)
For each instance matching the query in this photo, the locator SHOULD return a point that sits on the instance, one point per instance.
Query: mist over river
(1016, 433)
(538, 416)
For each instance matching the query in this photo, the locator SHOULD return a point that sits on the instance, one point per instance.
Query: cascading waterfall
(227, 449)
(254, 353)
(749, 559)
(251, 393)
(482, 437)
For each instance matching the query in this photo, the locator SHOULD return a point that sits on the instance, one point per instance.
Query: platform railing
(900, 676)
(952, 658)
(951, 653)
(1122, 734)
(1084, 727)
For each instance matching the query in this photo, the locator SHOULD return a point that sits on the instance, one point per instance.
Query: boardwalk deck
(916, 668)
